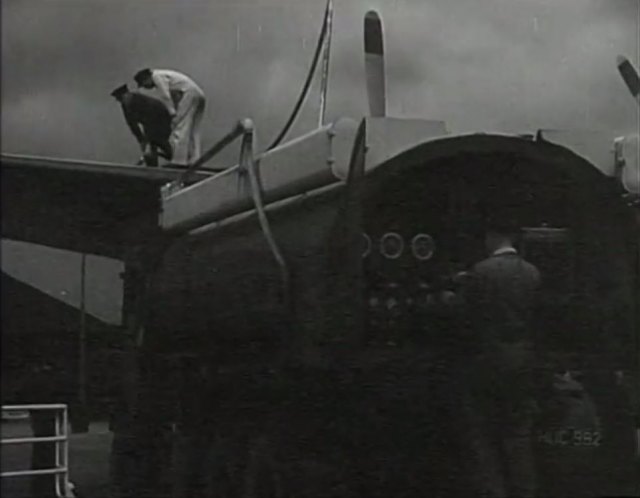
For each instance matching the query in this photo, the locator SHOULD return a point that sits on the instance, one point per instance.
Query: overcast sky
(487, 65)
(506, 65)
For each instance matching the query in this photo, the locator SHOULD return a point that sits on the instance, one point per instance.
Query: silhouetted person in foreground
(149, 121)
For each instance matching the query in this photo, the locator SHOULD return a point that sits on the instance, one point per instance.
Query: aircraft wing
(82, 206)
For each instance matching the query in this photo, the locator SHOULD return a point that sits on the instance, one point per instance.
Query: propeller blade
(630, 76)
(374, 64)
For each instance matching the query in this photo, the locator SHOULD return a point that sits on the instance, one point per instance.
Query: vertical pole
(65, 454)
(126, 430)
(59, 461)
(325, 64)
(82, 418)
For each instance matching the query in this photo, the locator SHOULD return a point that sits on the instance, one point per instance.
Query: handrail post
(60, 439)
(80, 422)
(58, 455)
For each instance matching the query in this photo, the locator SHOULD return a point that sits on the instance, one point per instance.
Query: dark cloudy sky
(508, 65)
(493, 65)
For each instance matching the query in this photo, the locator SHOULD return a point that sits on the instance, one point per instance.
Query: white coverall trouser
(185, 137)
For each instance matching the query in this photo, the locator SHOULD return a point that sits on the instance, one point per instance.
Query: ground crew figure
(149, 121)
(185, 102)
(499, 297)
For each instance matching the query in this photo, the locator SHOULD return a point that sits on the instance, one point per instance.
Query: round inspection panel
(391, 245)
(365, 240)
(423, 246)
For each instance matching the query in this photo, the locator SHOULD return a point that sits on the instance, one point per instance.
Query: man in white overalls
(185, 102)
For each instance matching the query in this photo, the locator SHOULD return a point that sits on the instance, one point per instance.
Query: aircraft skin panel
(301, 165)
(485, 143)
(285, 174)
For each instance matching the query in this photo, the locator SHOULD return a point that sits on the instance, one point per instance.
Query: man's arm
(165, 94)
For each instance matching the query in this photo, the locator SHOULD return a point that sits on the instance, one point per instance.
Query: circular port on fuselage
(423, 246)
(391, 245)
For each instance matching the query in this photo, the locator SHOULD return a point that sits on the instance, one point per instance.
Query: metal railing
(61, 440)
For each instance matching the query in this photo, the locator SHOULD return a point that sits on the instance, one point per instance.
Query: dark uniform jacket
(501, 296)
(500, 299)
(151, 114)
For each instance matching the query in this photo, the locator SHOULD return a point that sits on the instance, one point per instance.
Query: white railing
(61, 440)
